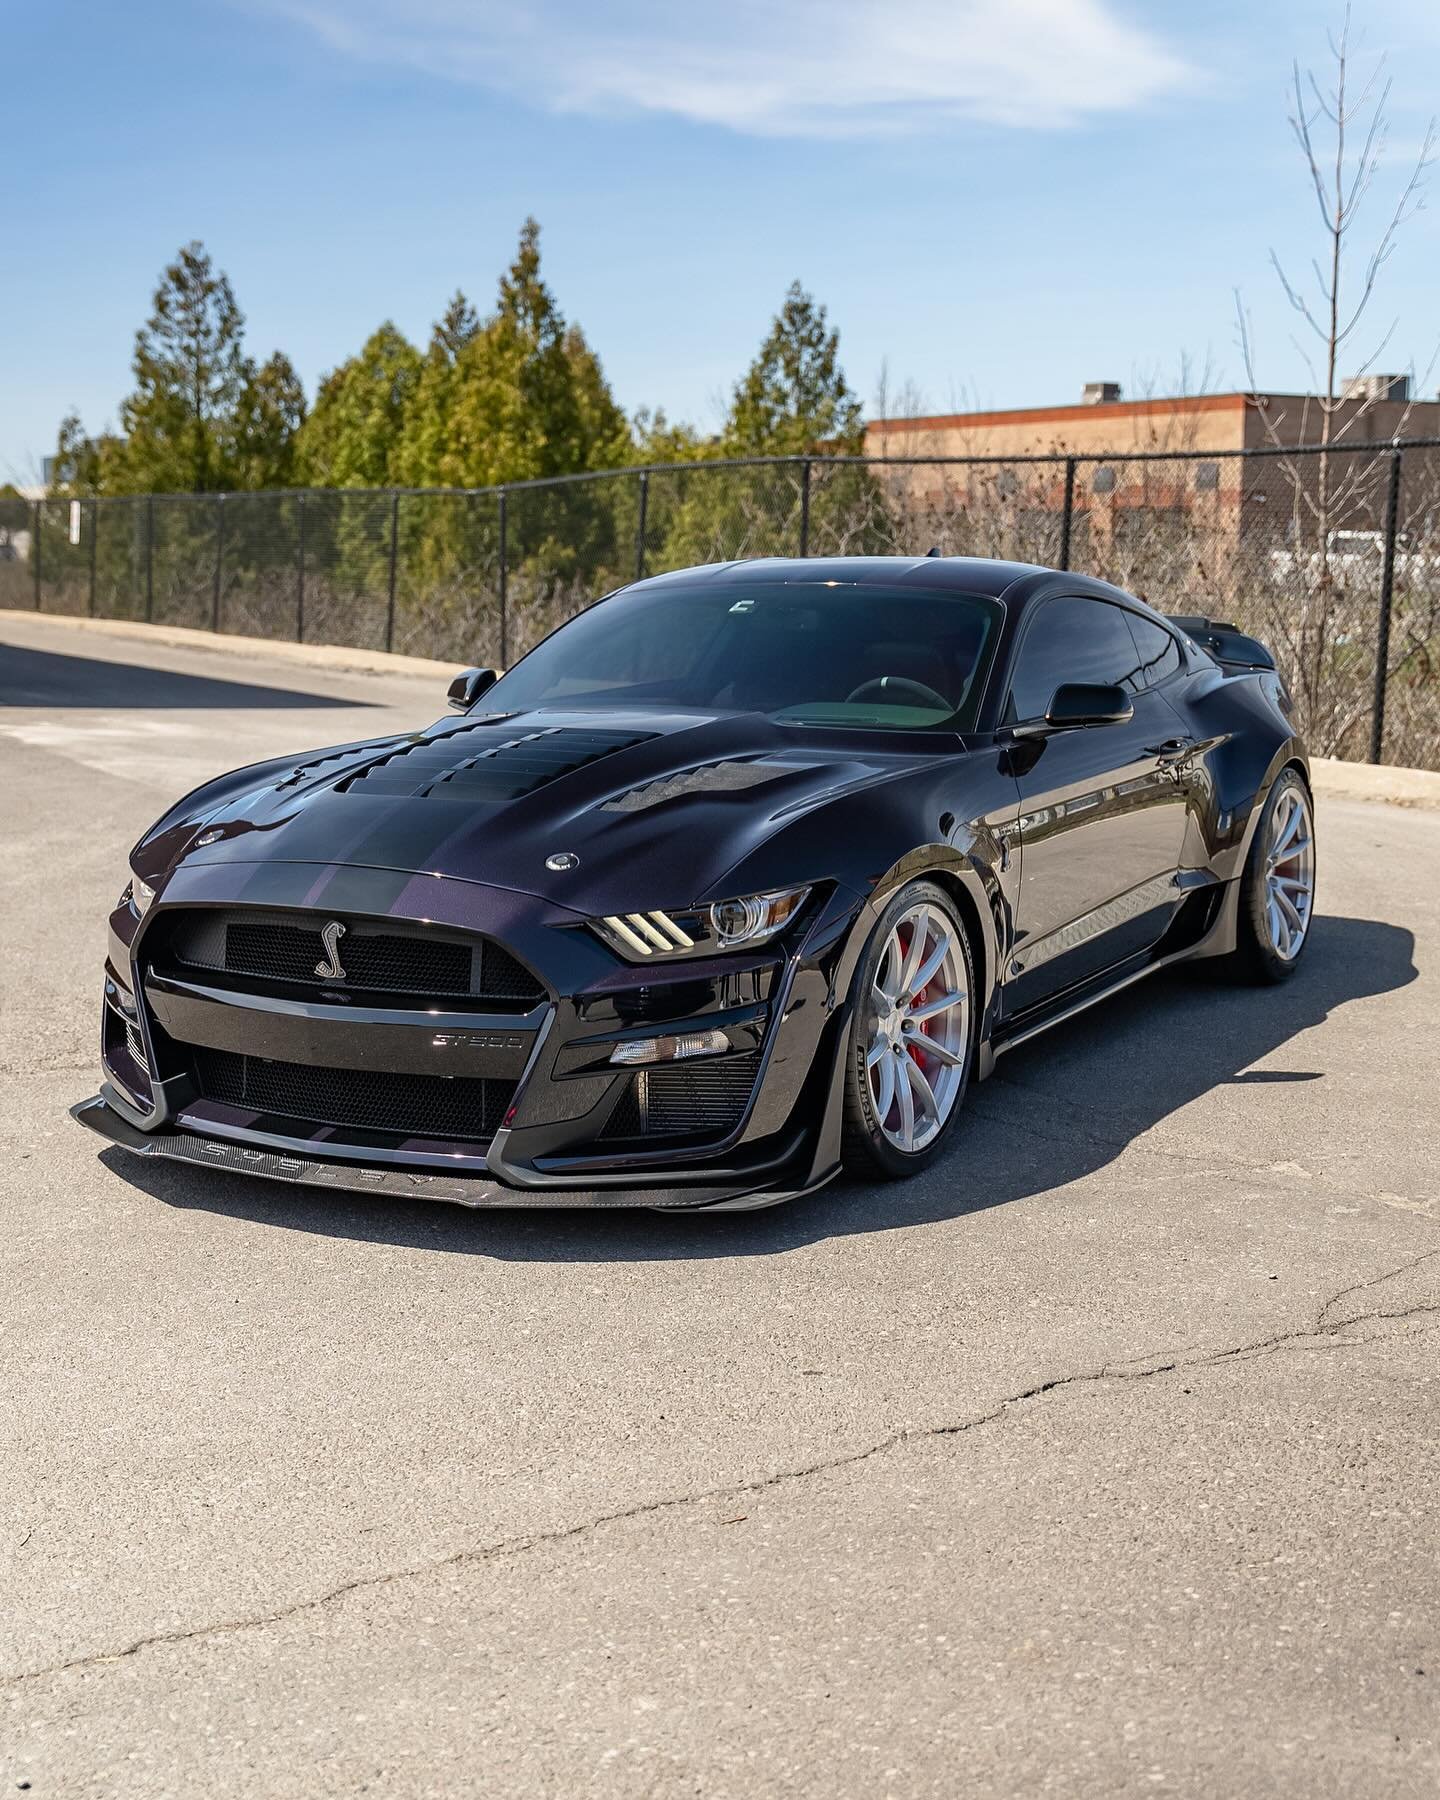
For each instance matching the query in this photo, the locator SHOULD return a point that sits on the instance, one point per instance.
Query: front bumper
(548, 1060)
(105, 1114)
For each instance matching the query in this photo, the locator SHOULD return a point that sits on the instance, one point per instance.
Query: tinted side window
(1071, 640)
(1159, 653)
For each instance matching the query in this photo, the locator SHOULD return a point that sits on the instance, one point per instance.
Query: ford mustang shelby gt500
(742, 875)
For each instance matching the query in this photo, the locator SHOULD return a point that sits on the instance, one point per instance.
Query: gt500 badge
(477, 1040)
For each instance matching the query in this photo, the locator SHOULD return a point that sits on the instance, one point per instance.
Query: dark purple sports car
(741, 876)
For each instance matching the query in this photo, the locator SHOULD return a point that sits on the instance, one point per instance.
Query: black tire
(865, 1148)
(1256, 959)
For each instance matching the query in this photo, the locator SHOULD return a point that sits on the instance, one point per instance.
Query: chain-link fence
(1331, 556)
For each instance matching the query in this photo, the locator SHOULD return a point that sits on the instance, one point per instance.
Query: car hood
(657, 803)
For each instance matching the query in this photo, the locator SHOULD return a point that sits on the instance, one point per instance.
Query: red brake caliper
(924, 1028)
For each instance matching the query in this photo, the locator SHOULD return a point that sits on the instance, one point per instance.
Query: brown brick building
(1107, 426)
(1122, 500)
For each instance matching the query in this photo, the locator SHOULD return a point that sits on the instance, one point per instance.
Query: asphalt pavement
(1099, 1460)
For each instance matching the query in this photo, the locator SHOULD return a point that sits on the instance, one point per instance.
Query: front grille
(702, 1100)
(424, 1106)
(136, 1048)
(271, 947)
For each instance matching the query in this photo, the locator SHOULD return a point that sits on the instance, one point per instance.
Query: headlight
(755, 918)
(727, 925)
(138, 895)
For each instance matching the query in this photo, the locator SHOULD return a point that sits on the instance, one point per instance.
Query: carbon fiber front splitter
(178, 1145)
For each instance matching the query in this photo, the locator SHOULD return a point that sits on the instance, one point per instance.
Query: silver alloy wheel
(919, 1028)
(1290, 874)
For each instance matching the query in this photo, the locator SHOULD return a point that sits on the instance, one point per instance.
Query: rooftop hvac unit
(1376, 387)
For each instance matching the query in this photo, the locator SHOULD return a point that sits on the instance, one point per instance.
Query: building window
(1103, 481)
(1207, 477)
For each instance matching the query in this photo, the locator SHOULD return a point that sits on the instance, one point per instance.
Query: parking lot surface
(1098, 1460)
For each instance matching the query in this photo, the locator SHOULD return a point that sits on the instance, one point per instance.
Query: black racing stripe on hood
(457, 767)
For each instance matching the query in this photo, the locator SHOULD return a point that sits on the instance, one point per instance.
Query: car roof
(1014, 581)
(960, 574)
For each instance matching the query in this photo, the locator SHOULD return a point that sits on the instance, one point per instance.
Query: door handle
(1172, 749)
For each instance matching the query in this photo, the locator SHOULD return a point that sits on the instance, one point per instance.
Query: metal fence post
(1387, 594)
(1067, 513)
(149, 558)
(219, 561)
(35, 553)
(394, 558)
(504, 585)
(300, 575)
(94, 534)
(805, 507)
(640, 525)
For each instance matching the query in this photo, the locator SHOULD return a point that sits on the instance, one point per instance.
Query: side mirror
(1078, 703)
(468, 686)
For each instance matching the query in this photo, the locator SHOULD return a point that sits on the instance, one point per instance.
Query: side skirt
(1185, 941)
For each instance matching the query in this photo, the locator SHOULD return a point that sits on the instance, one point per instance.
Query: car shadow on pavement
(1037, 1124)
(49, 678)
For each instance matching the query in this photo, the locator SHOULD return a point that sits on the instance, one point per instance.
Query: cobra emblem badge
(330, 969)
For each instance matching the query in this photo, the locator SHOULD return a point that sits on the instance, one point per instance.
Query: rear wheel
(911, 1034)
(1277, 890)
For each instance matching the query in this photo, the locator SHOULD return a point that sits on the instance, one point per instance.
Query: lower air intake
(413, 1106)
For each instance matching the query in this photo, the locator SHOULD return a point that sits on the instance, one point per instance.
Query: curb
(182, 637)
(1336, 780)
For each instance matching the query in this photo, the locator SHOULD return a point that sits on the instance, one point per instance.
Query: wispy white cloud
(811, 68)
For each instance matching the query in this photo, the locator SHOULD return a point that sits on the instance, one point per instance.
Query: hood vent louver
(711, 778)
(313, 764)
(443, 768)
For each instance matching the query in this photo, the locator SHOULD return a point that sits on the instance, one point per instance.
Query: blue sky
(999, 198)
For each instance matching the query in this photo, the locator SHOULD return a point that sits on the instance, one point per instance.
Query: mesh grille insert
(273, 948)
(703, 1099)
(428, 1106)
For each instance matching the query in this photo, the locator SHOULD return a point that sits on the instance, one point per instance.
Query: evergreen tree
(530, 398)
(190, 374)
(270, 415)
(459, 325)
(794, 399)
(423, 453)
(82, 464)
(656, 440)
(353, 435)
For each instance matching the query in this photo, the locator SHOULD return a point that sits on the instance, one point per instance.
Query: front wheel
(911, 1034)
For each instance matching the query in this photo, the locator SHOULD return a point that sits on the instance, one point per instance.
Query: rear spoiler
(1230, 647)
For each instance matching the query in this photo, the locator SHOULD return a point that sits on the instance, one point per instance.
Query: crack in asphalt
(1361, 1287)
(1314, 1335)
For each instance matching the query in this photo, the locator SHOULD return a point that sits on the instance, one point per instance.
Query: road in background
(1098, 1460)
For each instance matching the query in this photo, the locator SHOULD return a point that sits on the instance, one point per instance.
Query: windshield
(808, 653)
